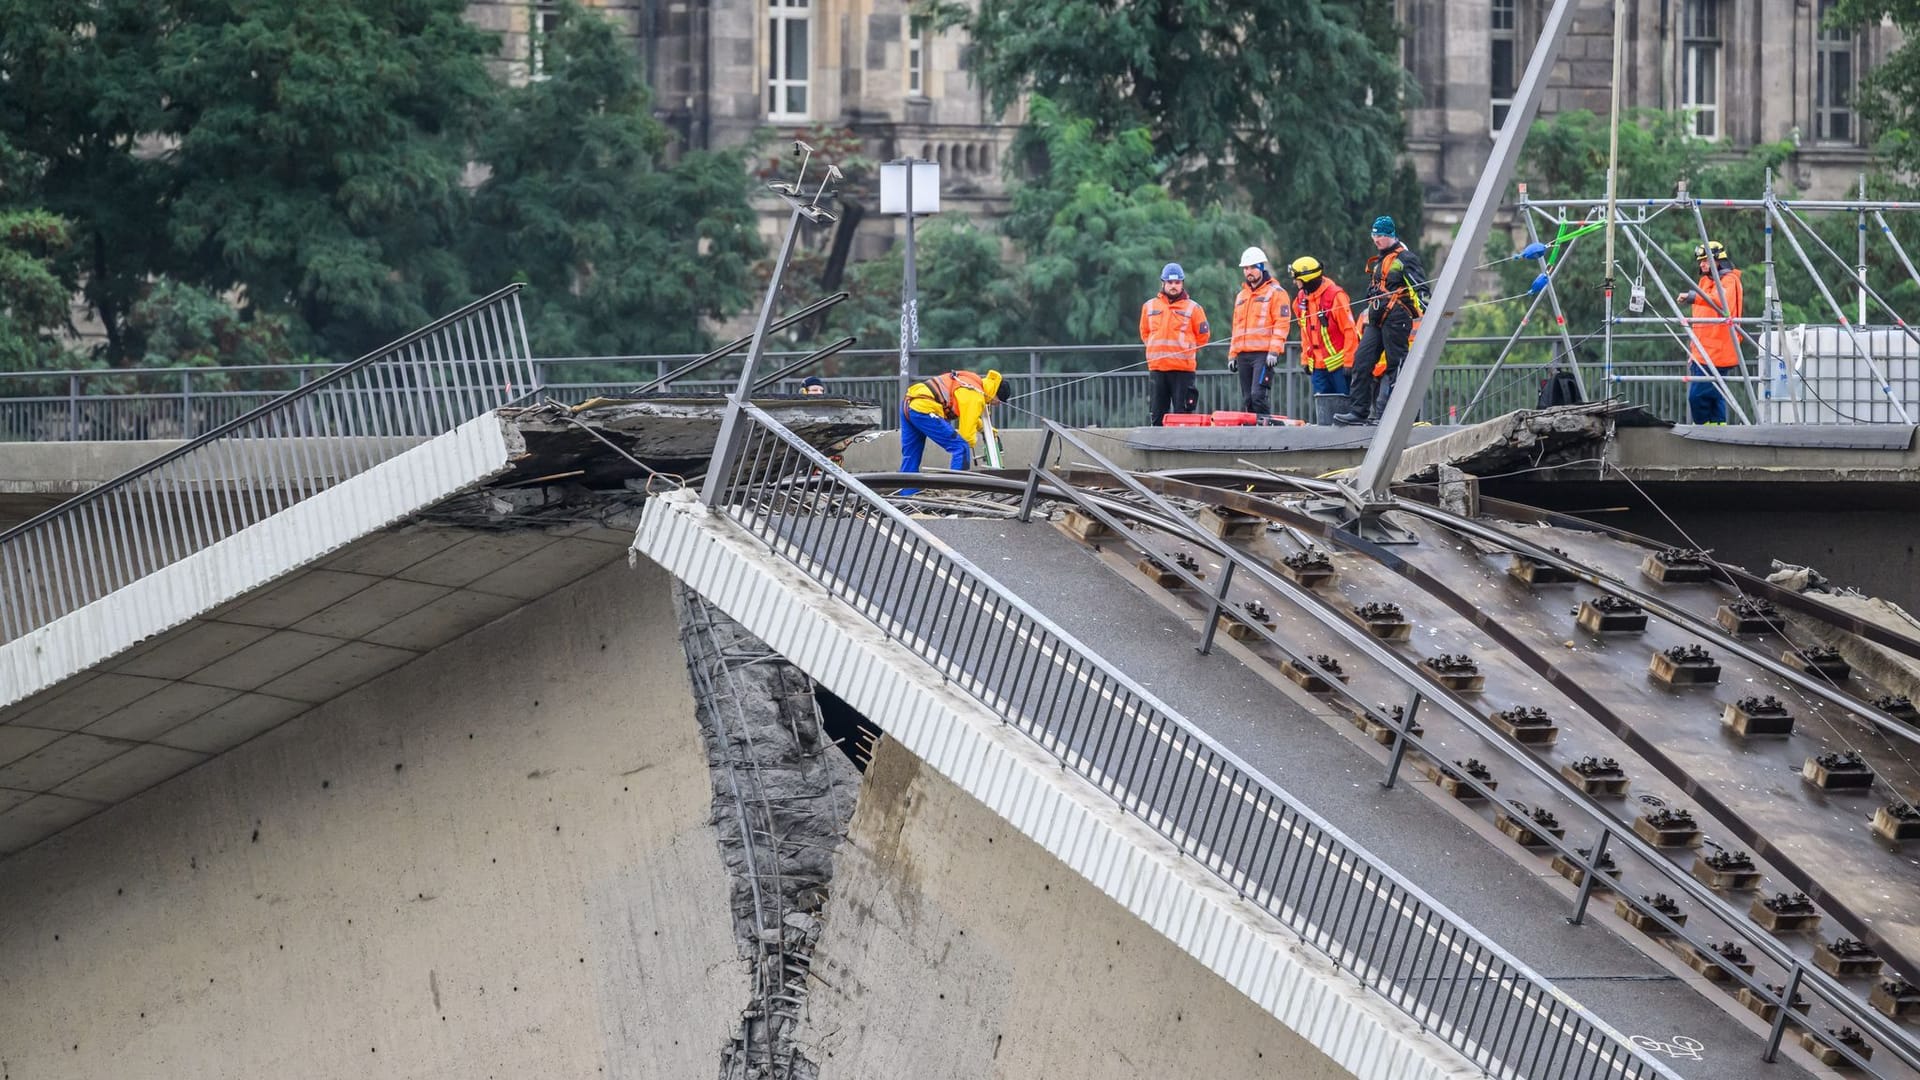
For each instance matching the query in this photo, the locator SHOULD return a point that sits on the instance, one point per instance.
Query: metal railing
(1275, 853)
(181, 403)
(259, 463)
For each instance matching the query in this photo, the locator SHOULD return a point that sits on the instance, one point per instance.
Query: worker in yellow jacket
(947, 409)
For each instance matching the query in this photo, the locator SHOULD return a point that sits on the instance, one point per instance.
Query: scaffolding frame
(1566, 220)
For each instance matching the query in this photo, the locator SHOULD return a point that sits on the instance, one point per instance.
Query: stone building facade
(723, 69)
(1749, 71)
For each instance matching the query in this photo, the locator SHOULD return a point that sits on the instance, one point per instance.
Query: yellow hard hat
(990, 382)
(1306, 268)
(1719, 250)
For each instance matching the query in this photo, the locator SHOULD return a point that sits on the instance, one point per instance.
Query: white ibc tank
(1817, 375)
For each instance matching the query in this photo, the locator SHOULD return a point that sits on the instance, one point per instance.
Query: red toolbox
(1235, 419)
(1187, 419)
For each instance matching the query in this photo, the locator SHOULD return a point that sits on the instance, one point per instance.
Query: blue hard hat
(1172, 272)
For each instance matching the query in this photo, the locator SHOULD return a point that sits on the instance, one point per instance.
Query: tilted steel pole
(727, 447)
(1367, 490)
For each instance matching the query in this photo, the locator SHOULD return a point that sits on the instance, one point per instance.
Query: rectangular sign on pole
(925, 187)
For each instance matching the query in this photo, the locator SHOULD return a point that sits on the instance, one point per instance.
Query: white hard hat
(1253, 256)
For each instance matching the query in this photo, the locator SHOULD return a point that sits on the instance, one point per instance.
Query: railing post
(1780, 1018)
(186, 402)
(1400, 733)
(1033, 474)
(1217, 606)
(1588, 873)
(73, 408)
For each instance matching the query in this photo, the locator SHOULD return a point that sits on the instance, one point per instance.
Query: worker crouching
(1173, 327)
(947, 409)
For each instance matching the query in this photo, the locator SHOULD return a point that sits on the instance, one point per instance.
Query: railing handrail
(337, 373)
(874, 504)
(953, 350)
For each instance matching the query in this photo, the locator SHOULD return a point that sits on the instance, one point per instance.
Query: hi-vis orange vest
(1712, 312)
(941, 387)
(1260, 319)
(1327, 335)
(1173, 331)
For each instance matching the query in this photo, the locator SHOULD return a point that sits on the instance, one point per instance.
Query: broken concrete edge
(767, 750)
(1530, 438)
(1899, 674)
(307, 531)
(1255, 953)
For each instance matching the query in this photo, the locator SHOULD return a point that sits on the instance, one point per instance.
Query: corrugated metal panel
(260, 553)
(1017, 780)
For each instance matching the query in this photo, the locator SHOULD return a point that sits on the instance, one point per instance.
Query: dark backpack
(1559, 388)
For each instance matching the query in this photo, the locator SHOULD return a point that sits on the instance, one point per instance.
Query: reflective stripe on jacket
(1260, 319)
(1173, 331)
(1327, 335)
(1713, 311)
(1384, 298)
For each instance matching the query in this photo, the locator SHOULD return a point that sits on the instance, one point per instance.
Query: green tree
(33, 299)
(631, 252)
(1090, 234)
(1293, 107)
(78, 96)
(318, 155)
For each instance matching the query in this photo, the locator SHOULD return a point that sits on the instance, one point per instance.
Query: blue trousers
(1704, 403)
(1328, 382)
(916, 428)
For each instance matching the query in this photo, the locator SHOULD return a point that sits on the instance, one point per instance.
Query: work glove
(1233, 364)
(1273, 358)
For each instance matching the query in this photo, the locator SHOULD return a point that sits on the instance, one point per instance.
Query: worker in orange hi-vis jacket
(1173, 327)
(1716, 304)
(1327, 334)
(1261, 320)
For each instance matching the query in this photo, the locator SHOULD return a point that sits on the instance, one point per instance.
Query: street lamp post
(911, 187)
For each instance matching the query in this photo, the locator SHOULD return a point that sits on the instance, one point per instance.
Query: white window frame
(919, 46)
(1828, 44)
(1503, 21)
(543, 18)
(1702, 46)
(783, 18)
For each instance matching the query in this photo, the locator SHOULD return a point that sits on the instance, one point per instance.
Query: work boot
(1347, 419)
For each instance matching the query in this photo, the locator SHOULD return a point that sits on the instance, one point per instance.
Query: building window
(917, 48)
(1832, 81)
(1504, 72)
(1700, 65)
(541, 24)
(788, 59)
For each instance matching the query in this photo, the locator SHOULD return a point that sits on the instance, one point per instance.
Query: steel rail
(737, 344)
(813, 357)
(1217, 773)
(1737, 921)
(1887, 724)
(1067, 484)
